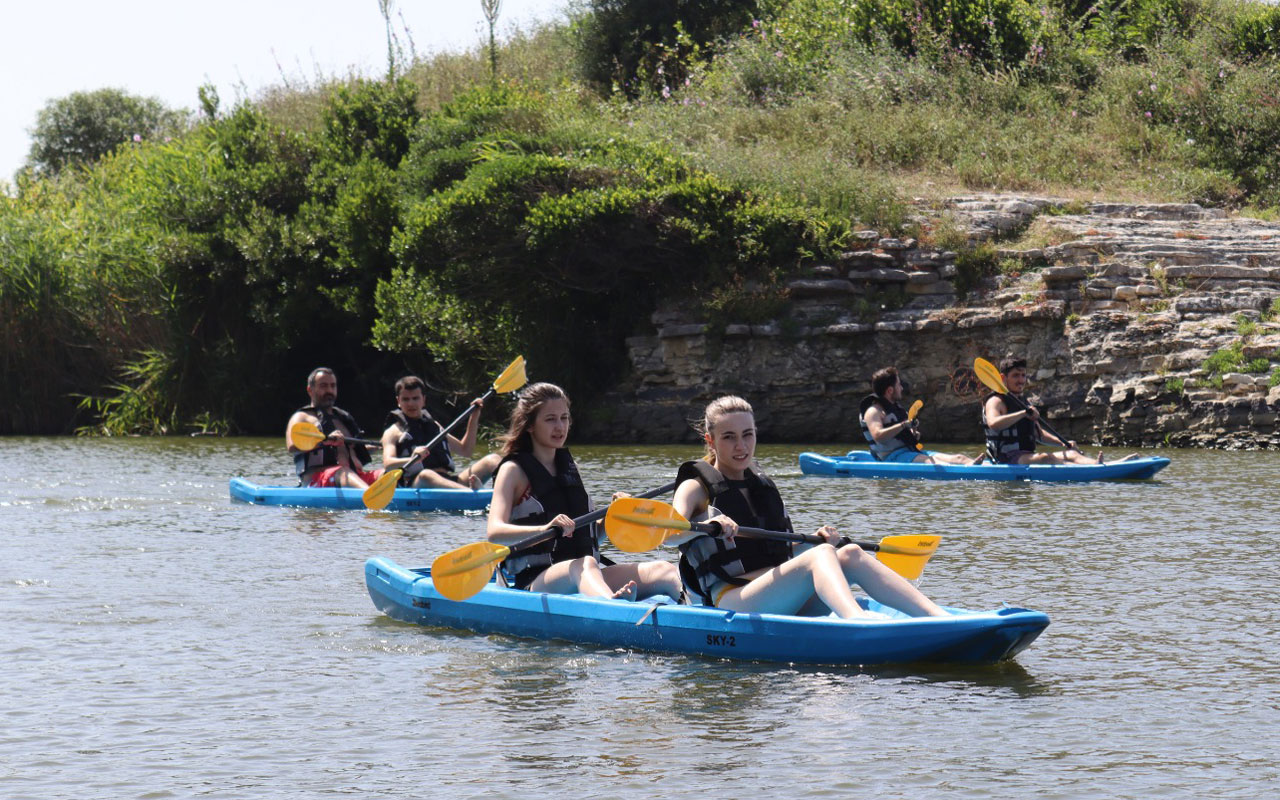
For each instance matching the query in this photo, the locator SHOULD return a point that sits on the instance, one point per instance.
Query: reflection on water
(160, 640)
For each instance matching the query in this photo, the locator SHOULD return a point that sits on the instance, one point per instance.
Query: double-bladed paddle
(990, 377)
(383, 489)
(461, 572)
(636, 525)
(307, 437)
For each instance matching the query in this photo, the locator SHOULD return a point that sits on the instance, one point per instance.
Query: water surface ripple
(160, 641)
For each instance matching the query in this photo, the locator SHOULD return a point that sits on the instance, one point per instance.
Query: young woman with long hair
(745, 573)
(537, 486)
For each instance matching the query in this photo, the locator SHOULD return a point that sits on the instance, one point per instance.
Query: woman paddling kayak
(750, 574)
(538, 486)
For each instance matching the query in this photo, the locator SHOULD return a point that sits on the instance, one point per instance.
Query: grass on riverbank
(1187, 122)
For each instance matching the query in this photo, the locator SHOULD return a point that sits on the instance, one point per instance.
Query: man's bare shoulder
(302, 416)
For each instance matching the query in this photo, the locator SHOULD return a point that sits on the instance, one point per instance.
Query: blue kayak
(975, 637)
(403, 500)
(861, 464)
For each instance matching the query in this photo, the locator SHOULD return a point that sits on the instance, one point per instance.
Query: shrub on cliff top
(993, 32)
(529, 243)
(638, 47)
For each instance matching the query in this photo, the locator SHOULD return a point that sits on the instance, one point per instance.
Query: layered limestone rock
(1117, 315)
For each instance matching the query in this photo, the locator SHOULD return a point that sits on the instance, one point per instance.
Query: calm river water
(161, 641)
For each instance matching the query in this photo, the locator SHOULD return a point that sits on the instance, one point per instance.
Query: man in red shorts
(335, 462)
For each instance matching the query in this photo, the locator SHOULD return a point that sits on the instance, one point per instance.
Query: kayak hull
(964, 637)
(861, 464)
(337, 498)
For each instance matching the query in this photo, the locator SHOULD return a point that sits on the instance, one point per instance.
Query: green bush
(542, 235)
(370, 119)
(1132, 27)
(84, 126)
(972, 265)
(1245, 327)
(638, 47)
(1228, 113)
(1227, 359)
(992, 32)
(1256, 33)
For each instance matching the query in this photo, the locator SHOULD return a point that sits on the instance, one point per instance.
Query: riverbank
(1153, 324)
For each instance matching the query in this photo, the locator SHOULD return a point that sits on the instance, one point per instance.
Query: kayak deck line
(861, 464)
(976, 637)
(334, 497)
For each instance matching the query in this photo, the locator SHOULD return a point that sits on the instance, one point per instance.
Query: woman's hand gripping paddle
(307, 437)
(383, 489)
(460, 573)
(636, 525)
(990, 377)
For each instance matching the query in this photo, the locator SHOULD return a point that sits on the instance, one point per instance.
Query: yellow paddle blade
(306, 436)
(460, 573)
(512, 377)
(637, 525)
(377, 496)
(907, 555)
(989, 375)
(914, 411)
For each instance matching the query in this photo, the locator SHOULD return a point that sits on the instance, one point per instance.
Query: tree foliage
(527, 242)
(642, 46)
(84, 126)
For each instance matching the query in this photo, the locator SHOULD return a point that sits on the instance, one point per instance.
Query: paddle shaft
(471, 409)
(351, 440)
(713, 528)
(585, 519)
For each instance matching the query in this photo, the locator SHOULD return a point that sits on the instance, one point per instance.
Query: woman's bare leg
(885, 585)
(581, 575)
(785, 589)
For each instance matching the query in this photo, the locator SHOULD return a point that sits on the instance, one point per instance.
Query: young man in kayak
(410, 428)
(538, 486)
(335, 462)
(886, 427)
(1012, 426)
(745, 573)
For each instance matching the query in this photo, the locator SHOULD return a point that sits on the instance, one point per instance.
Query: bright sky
(168, 49)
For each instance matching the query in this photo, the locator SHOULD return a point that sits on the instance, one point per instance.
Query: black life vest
(1003, 444)
(706, 560)
(327, 455)
(549, 495)
(893, 414)
(415, 433)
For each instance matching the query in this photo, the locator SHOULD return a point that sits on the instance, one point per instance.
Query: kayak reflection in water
(891, 431)
(746, 573)
(537, 486)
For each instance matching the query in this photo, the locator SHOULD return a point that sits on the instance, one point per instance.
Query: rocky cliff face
(1143, 325)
